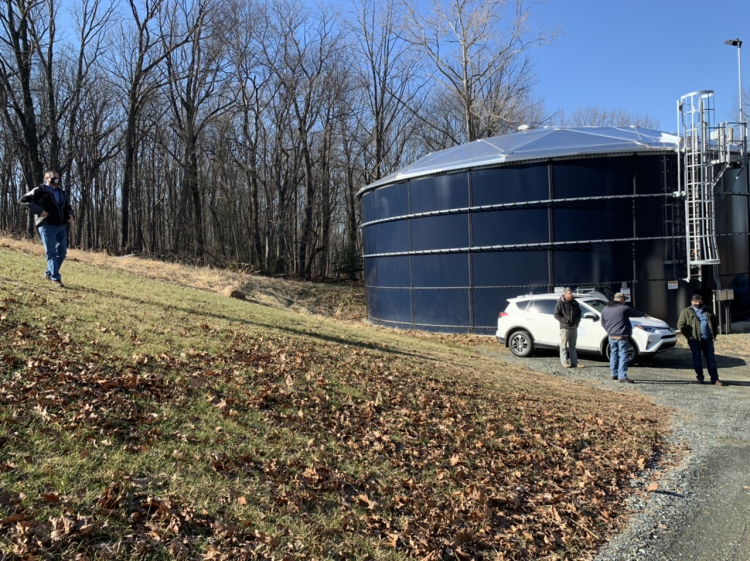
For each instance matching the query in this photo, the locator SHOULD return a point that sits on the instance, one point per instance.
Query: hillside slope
(343, 301)
(147, 416)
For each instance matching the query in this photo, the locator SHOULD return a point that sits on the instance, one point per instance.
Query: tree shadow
(669, 493)
(674, 382)
(692, 382)
(673, 359)
(682, 359)
(376, 346)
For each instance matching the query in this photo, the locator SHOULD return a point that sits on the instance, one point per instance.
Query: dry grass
(145, 419)
(341, 301)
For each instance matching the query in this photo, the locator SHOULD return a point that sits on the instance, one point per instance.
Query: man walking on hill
(52, 212)
(568, 313)
(700, 327)
(616, 322)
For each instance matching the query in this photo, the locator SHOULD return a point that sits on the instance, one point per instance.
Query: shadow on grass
(673, 359)
(255, 322)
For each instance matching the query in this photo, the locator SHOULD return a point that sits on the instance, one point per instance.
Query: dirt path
(701, 509)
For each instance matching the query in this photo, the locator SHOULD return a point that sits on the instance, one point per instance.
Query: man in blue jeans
(52, 212)
(616, 322)
(700, 327)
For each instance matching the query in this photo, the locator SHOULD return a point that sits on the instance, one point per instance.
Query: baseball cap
(619, 296)
(696, 297)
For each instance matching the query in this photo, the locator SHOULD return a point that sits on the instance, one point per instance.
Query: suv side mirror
(591, 315)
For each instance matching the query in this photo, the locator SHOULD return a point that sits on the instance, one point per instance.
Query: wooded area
(239, 132)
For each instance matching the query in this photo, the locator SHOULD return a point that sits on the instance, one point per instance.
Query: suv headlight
(647, 328)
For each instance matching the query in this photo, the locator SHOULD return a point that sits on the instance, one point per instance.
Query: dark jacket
(568, 313)
(40, 199)
(615, 319)
(690, 326)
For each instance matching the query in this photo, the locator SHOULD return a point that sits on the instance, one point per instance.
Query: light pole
(737, 43)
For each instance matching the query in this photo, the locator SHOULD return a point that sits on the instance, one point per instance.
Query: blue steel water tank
(449, 238)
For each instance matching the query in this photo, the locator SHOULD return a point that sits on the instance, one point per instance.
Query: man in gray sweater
(616, 322)
(568, 313)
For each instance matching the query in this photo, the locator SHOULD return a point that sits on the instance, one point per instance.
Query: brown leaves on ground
(366, 451)
(471, 469)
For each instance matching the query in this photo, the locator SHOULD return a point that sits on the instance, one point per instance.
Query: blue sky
(642, 56)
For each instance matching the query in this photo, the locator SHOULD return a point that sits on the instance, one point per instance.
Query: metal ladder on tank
(707, 152)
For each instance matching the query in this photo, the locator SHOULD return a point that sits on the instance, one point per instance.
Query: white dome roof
(535, 144)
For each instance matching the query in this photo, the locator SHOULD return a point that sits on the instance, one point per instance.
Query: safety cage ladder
(707, 152)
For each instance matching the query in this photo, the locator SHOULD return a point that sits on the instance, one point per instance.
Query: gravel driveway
(701, 509)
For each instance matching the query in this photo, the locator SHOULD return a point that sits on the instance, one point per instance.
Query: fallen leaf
(12, 518)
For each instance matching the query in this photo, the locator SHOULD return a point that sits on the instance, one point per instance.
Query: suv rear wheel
(520, 343)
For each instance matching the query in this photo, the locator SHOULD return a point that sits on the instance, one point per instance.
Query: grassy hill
(145, 415)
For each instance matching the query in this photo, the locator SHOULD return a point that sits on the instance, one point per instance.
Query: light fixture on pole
(737, 43)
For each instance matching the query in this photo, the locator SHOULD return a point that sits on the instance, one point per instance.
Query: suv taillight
(502, 314)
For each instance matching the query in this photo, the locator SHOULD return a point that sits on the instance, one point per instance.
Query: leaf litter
(308, 450)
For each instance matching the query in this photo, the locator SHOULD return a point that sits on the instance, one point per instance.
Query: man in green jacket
(699, 326)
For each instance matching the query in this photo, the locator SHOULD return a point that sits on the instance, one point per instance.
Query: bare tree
(353, 158)
(12, 185)
(597, 116)
(253, 90)
(734, 113)
(243, 130)
(141, 48)
(85, 112)
(388, 77)
(18, 44)
(94, 142)
(43, 29)
(476, 50)
(195, 81)
(302, 59)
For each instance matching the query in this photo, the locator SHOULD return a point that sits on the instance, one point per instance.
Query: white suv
(528, 323)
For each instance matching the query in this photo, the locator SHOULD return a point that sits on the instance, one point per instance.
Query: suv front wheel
(520, 343)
